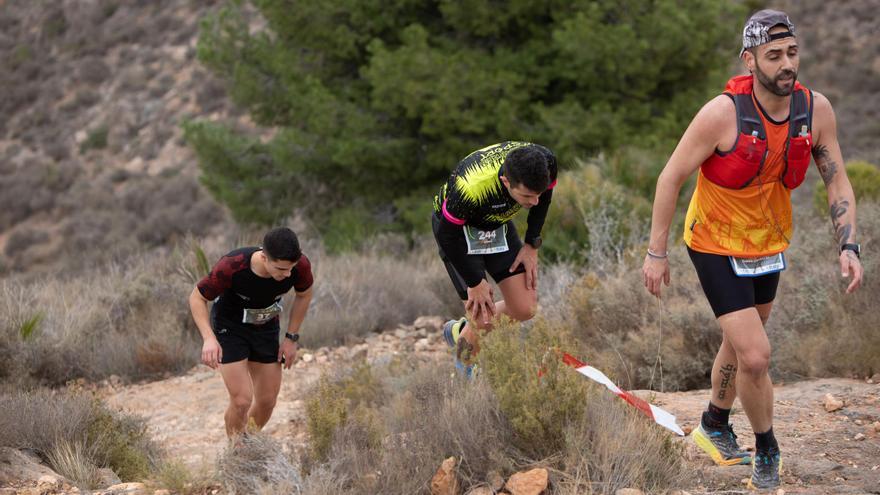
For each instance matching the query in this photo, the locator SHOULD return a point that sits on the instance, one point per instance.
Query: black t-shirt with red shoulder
(240, 290)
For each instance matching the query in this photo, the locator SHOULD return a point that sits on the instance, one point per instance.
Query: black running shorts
(240, 341)
(725, 291)
(496, 265)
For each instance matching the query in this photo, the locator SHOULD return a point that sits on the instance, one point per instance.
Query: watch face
(536, 242)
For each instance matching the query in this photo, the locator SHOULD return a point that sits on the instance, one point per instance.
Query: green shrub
(95, 140)
(539, 408)
(336, 404)
(77, 434)
(865, 180)
(123, 443)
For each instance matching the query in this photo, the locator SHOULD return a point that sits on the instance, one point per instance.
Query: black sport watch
(294, 337)
(535, 242)
(856, 248)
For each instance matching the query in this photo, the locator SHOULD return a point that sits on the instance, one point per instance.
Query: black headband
(780, 35)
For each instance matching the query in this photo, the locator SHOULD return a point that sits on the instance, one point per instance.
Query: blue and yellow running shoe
(452, 330)
(721, 445)
(766, 469)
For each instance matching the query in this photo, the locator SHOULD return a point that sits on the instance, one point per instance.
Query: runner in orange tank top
(751, 146)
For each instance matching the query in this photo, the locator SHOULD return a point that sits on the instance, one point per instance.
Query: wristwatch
(535, 242)
(294, 337)
(856, 248)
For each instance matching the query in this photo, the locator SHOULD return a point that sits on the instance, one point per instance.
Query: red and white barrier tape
(660, 416)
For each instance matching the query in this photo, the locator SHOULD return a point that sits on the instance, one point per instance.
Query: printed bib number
(258, 316)
(755, 267)
(486, 241)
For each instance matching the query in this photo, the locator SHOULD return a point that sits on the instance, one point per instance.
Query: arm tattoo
(827, 167)
(841, 230)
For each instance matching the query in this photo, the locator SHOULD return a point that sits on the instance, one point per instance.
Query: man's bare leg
(238, 384)
(266, 379)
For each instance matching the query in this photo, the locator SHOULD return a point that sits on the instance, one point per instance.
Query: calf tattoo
(728, 372)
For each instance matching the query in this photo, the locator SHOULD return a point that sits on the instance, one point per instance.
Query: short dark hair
(527, 166)
(282, 244)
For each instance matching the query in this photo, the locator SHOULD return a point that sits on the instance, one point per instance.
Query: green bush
(539, 408)
(361, 108)
(336, 404)
(77, 434)
(865, 180)
(95, 140)
(123, 443)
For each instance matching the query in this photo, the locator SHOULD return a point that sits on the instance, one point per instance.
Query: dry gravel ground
(823, 453)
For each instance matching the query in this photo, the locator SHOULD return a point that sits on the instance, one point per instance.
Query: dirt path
(823, 453)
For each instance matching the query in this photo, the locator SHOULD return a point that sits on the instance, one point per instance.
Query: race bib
(755, 267)
(258, 316)
(486, 241)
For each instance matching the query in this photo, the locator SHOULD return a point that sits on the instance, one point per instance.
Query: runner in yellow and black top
(472, 226)
(750, 147)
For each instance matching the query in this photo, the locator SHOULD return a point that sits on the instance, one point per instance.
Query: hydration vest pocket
(797, 160)
(739, 167)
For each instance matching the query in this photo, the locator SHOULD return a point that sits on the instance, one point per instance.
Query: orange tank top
(750, 222)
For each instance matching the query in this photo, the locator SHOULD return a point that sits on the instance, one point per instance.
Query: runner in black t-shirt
(242, 330)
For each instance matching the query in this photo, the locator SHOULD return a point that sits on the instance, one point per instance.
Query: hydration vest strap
(747, 119)
(800, 113)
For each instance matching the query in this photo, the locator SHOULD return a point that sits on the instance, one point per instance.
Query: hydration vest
(737, 168)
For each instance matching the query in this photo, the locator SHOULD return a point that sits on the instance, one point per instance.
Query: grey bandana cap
(757, 29)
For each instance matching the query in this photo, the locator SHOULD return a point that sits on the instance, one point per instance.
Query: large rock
(532, 482)
(20, 466)
(445, 481)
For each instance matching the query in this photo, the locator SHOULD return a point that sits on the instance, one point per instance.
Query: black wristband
(294, 337)
(856, 248)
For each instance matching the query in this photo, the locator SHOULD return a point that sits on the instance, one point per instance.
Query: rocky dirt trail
(835, 452)
(829, 429)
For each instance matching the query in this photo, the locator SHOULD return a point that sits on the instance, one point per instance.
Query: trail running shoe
(469, 371)
(452, 330)
(766, 468)
(721, 445)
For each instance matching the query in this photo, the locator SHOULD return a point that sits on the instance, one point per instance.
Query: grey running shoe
(721, 445)
(766, 468)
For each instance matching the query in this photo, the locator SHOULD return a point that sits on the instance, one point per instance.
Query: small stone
(859, 437)
(679, 492)
(321, 359)
(162, 492)
(532, 482)
(780, 491)
(858, 422)
(629, 491)
(445, 481)
(422, 345)
(481, 490)
(832, 403)
(308, 358)
(876, 425)
(687, 430)
(496, 481)
(875, 378)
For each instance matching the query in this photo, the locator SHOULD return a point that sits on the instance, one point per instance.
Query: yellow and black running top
(474, 194)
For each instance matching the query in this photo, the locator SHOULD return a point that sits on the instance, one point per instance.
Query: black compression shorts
(725, 291)
(496, 265)
(240, 341)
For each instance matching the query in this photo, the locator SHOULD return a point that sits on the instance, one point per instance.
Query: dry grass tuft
(257, 464)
